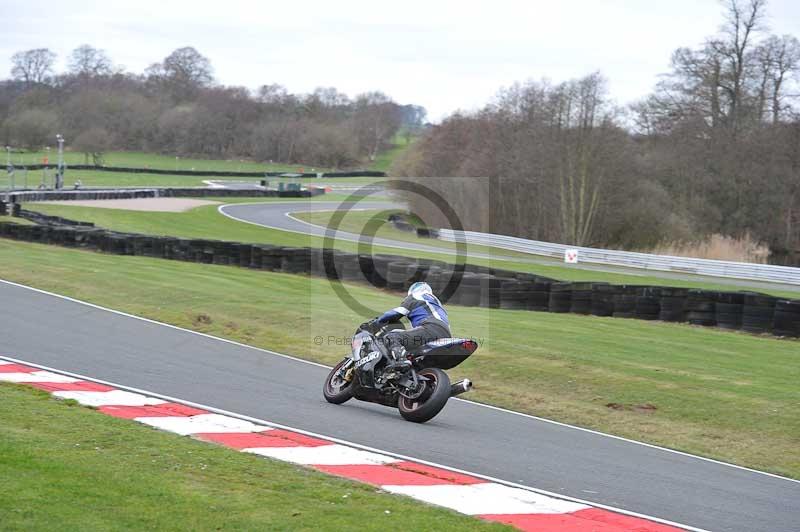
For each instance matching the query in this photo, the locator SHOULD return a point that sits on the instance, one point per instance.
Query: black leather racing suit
(428, 319)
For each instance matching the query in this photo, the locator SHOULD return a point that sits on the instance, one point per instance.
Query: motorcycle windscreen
(446, 353)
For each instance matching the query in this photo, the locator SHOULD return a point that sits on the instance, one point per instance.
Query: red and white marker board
(571, 256)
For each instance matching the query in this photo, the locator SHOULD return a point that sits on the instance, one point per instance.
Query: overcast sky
(444, 55)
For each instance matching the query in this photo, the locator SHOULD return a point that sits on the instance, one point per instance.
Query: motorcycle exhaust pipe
(460, 387)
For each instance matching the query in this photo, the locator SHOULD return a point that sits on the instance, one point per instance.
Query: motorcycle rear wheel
(335, 390)
(432, 400)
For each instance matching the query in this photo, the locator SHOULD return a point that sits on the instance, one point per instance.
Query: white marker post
(571, 256)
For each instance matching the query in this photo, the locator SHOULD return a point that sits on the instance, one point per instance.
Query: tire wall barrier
(209, 173)
(479, 286)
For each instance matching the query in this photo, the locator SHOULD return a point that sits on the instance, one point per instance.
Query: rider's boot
(400, 356)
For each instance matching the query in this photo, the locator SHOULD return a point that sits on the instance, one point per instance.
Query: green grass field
(90, 178)
(129, 159)
(94, 178)
(15, 220)
(206, 222)
(67, 467)
(383, 162)
(726, 395)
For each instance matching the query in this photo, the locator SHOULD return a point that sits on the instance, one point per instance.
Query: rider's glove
(369, 326)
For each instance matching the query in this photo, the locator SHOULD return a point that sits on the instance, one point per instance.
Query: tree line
(176, 107)
(715, 149)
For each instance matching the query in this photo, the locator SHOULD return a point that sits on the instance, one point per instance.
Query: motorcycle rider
(428, 319)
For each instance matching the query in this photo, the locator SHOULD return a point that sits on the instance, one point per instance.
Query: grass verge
(132, 159)
(64, 465)
(20, 221)
(96, 178)
(720, 394)
(383, 162)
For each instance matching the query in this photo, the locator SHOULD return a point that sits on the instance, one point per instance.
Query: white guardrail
(629, 259)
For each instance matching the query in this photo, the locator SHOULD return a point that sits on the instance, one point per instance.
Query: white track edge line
(432, 250)
(355, 445)
(352, 237)
(221, 210)
(475, 403)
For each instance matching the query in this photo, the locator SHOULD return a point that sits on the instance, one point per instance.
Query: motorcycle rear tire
(434, 403)
(343, 394)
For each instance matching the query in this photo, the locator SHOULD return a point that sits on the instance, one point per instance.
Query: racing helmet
(419, 288)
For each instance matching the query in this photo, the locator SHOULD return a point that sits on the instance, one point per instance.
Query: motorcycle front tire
(334, 395)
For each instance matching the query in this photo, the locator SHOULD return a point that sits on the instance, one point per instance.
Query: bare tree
(183, 73)
(552, 158)
(777, 60)
(87, 61)
(33, 66)
(584, 129)
(742, 21)
(273, 94)
(377, 118)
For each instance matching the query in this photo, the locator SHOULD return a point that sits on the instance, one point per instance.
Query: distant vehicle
(418, 386)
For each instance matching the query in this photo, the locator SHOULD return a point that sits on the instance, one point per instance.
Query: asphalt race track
(335, 187)
(67, 335)
(276, 216)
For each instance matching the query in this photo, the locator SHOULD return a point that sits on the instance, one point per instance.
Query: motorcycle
(417, 386)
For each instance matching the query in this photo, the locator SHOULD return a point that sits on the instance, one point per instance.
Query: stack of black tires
(673, 304)
(603, 299)
(758, 311)
(701, 307)
(648, 303)
(539, 295)
(787, 318)
(728, 310)
(581, 301)
(625, 301)
(560, 297)
(514, 294)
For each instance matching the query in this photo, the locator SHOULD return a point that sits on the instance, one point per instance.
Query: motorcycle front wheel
(336, 389)
(432, 399)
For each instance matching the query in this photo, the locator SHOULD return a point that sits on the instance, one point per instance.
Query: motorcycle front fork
(346, 371)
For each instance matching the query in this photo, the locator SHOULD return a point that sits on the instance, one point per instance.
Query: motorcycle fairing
(445, 353)
(367, 356)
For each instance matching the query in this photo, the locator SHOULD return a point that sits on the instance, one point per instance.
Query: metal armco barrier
(630, 259)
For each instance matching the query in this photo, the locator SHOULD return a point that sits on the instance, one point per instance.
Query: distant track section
(630, 259)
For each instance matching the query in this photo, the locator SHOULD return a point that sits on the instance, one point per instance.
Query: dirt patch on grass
(141, 204)
(202, 319)
(646, 407)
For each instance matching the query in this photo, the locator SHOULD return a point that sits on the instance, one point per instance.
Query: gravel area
(141, 204)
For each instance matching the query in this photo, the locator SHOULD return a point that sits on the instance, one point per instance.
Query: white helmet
(417, 289)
